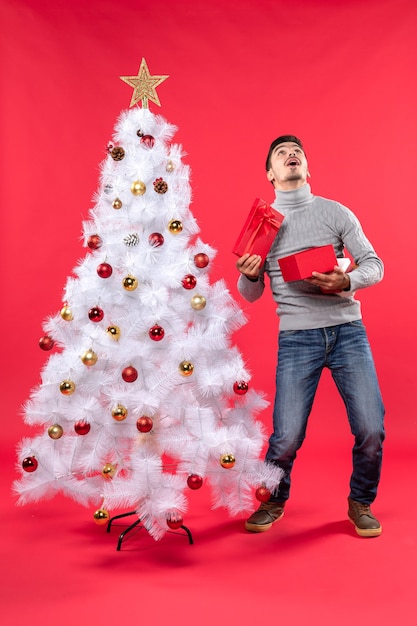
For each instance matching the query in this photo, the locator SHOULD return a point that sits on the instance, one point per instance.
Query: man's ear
(270, 176)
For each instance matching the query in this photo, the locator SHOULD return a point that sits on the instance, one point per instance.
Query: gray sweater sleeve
(370, 268)
(249, 289)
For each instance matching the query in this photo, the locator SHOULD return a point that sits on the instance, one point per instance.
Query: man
(320, 326)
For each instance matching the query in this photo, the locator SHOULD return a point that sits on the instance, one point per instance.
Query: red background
(339, 74)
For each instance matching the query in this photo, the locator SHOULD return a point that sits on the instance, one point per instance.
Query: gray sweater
(312, 221)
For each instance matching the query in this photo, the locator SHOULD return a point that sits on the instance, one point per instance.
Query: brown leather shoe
(366, 525)
(265, 516)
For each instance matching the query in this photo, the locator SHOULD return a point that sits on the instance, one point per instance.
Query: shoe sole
(367, 532)
(261, 528)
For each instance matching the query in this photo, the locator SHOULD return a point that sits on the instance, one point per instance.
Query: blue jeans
(302, 355)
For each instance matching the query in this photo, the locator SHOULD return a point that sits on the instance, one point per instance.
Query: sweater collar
(293, 198)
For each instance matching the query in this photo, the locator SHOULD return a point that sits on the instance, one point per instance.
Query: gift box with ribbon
(259, 230)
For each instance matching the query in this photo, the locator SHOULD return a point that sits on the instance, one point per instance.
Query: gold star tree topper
(144, 86)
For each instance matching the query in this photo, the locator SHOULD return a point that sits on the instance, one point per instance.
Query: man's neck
(293, 197)
(290, 185)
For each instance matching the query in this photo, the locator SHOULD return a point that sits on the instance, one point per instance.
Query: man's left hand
(337, 280)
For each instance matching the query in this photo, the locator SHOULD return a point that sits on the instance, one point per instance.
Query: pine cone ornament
(132, 239)
(117, 153)
(160, 185)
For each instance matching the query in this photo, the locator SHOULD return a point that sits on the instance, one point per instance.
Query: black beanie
(277, 141)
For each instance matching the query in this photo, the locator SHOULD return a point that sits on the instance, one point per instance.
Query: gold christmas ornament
(175, 227)
(66, 313)
(144, 86)
(101, 516)
(138, 188)
(186, 368)
(130, 283)
(108, 471)
(117, 203)
(89, 357)
(119, 413)
(67, 387)
(114, 332)
(55, 431)
(170, 166)
(227, 461)
(198, 302)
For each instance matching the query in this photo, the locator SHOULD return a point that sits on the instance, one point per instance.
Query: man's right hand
(250, 265)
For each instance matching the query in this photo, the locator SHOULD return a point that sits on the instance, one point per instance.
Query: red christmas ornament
(82, 427)
(189, 281)
(240, 387)
(194, 481)
(129, 374)
(174, 522)
(94, 242)
(104, 270)
(156, 333)
(96, 314)
(148, 141)
(144, 424)
(30, 464)
(156, 239)
(263, 494)
(201, 260)
(46, 343)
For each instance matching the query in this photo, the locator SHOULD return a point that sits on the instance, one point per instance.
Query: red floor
(311, 568)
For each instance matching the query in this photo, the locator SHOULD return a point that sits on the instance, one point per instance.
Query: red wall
(340, 74)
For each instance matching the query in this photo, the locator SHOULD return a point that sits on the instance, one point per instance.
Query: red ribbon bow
(264, 219)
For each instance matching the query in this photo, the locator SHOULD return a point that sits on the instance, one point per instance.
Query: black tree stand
(136, 523)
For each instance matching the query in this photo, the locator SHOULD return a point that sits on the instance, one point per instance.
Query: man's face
(288, 169)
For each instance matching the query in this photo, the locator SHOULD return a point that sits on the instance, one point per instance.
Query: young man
(320, 326)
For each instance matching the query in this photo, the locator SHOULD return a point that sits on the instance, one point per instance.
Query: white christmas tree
(144, 397)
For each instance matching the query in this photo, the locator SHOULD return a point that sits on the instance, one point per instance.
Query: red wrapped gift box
(259, 230)
(301, 265)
